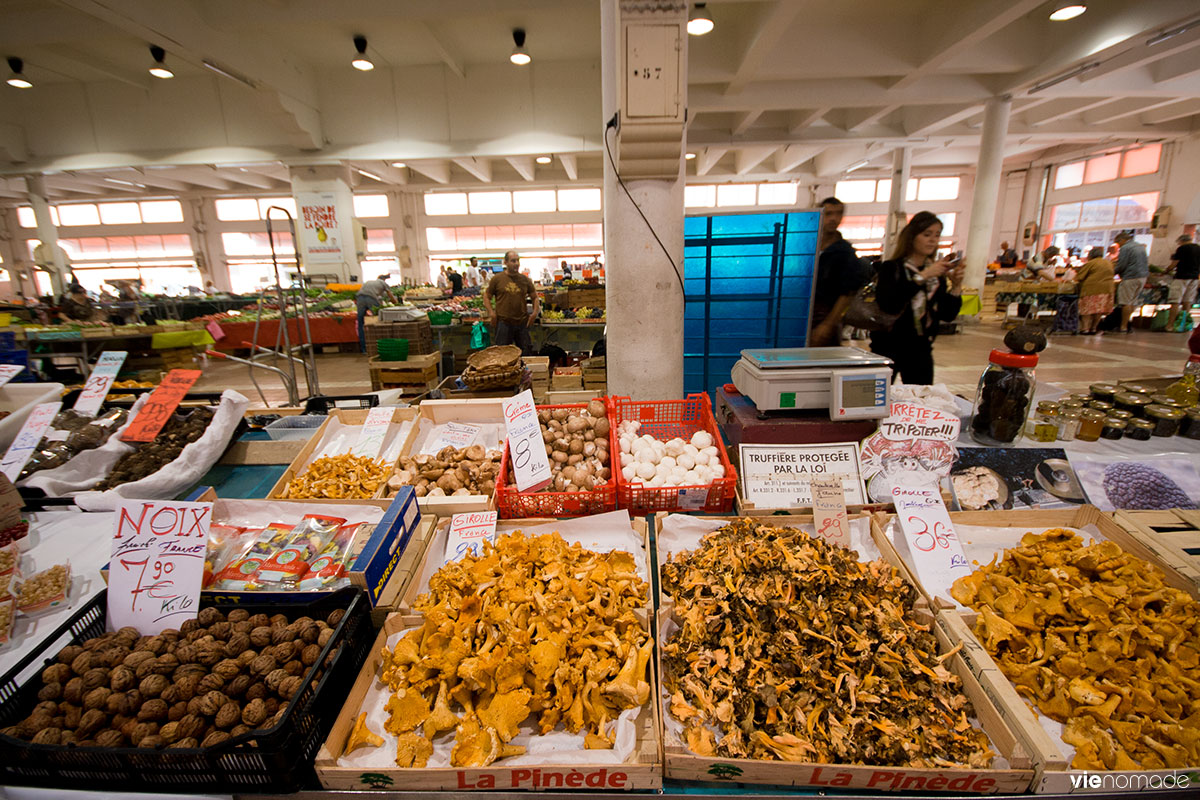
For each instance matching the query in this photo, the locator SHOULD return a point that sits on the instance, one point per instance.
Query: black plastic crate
(279, 759)
(323, 404)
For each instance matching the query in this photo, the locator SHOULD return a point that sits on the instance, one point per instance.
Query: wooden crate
(438, 412)
(1173, 535)
(590, 298)
(419, 373)
(682, 764)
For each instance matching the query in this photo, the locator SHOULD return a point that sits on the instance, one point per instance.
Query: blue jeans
(518, 334)
(364, 304)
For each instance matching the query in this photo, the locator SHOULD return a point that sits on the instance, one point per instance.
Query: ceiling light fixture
(689, 156)
(227, 72)
(520, 56)
(1066, 10)
(159, 69)
(17, 78)
(1172, 33)
(120, 182)
(361, 62)
(370, 175)
(543, 159)
(399, 164)
(859, 165)
(700, 21)
(1066, 76)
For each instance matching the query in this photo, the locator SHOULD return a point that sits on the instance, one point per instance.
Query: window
(777, 194)
(499, 238)
(578, 199)
(1103, 168)
(120, 213)
(1069, 175)
(236, 209)
(1136, 209)
(1064, 217)
(441, 238)
(1125, 211)
(700, 196)
(933, 189)
(737, 194)
(367, 206)
(161, 211)
(948, 219)
(26, 218)
(443, 203)
(1141, 160)
(81, 214)
(863, 227)
(589, 234)
(489, 202)
(256, 244)
(381, 240)
(856, 191)
(286, 203)
(534, 202)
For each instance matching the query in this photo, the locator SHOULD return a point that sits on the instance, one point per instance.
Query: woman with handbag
(923, 292)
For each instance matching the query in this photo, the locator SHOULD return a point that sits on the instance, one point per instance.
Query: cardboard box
(347, 416)
(396, 589)
(438, 412)
(682, 764)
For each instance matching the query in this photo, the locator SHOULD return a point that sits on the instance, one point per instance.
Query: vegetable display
(577, 445)
(651, 462)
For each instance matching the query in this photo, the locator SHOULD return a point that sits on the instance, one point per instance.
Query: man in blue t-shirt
(1133, 267)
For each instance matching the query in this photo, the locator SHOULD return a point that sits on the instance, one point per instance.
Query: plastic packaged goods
(288, 564)
(238, 574)
(330, 564)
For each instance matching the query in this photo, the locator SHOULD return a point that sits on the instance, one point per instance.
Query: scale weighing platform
(851, 383)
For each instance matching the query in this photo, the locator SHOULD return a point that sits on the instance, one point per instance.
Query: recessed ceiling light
(700, 21)
(689, 156)
(159, 69)
(16, 77)
(361, 62)
(543, 159)
(520, 56)
(399, 164)
(1067, 10)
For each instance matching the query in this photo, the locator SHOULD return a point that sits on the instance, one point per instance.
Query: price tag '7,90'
(526, 450)
(160, 405)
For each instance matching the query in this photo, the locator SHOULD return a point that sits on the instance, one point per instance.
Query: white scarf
(920, 301)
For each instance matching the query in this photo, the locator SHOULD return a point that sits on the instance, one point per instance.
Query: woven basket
(494, 378)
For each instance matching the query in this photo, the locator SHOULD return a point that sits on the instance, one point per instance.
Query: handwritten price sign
(157, 564)
(370, 440)
(27, 440)
(160, 405)
(936, 552)
(9, 371)
(456, 434)
(468, 532)
(100, 381)
(525, 445)
(829, 510)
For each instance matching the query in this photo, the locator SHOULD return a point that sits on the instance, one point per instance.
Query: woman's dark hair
(1096, 252)
(921, 221)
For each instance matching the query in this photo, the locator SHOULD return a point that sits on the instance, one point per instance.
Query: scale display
(858, 394)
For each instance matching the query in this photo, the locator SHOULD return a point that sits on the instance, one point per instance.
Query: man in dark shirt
(1185, 269)
(1008, 256)
(839, 277)
(456, 281)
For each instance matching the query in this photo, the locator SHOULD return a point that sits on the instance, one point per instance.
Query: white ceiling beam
(1180, 109)
(1119, 109)
(744, 121)
(247, 178)
(924, 121)
(771, 30)
(1177, 67)
(152, 178)
(800, 120)
(1063, 109)
(570, 165)
(707, 158)
(68, 183)
(481, 168)
(747, 158)
(202, 176)
(68, 58)
(789, 95)
(439, 46)
(857, 119)
(834, 160)
(388, 172)
(523, 165)
(274, 171)
(1142, 55)
(792, 156)
(438, 171)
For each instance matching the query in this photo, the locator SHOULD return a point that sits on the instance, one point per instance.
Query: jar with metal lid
(1113, 428)
(1068, 424)
(1189, 426)
(1120, 413)
(1133, 402)
(1103, 391)
(1082, 397)
(1139, 429)
(1003, 398)
(1044, 422)
(1091, 422)
(1134, 386)
(1165, 400)
(1101, 405)
(1165, 419)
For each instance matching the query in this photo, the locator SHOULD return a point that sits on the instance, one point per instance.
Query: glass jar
(1101, 405)
(1166, 419)
(1120, 413)
(1189, 426)
(1163, 399)
(1044, 422)
(1068, 424)
(1103, 391)
(1184, 391)
(1133, 402)
(1003, 398)
(1113, 428)
(1139, 429)
(1072, 402)
(1135, 387)
(1091, 422)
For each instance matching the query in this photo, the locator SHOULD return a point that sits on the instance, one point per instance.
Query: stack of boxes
(567, 379)
(418, 332)
(595, 373)
(539, 370)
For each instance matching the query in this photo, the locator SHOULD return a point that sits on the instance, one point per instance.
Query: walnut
(48, 736)
(279, 621)
(68, 654)
(310, 633)
(170, 732)
(153, 710)
(237, 643)
(261, 636)
(56, 673)
(96, 698)
(262, 665)
(254, 713)
(193, 705)
(210, 654)
(221, 630)
(154, 741)
(72, 716)
(195, 636)
(289, 686)
(326, 635)
(259, 620)
(256, 692)
(97, 676)
(238, 615)
(210, 683)
(171, 635)
(137, 657)
(272, 705)
(211, 703)
(335, 617)
(209, 616)
(198, 670)
(246, 657)
(153, 685)
(47, 708)
(59, 721)
(110, 738)
(140, 731)
(310, 654)
(172, 695)
(187, 685)
(121, 679)
(97, 643)
(192, 726)
(145, 668)
(238, 686)
(228, 669)
(280, 635)
(274, 678)
(177, 711)
(68, 737)
(186, 653)
(228, 715)
(214, 738)
(113, 656)
(295, 667)
(153, 644)
(117, 703)
(166, 664)
(127, 637)
(82, 663)
(190, 625)
(51, 691)
(90, 722)
(285, 652)
(245, 626)
(276, 718)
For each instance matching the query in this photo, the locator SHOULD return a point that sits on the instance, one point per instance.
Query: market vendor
(76, 305)
(369, 298)
(508, 291)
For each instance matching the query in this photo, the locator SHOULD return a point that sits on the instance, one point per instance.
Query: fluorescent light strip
(226, 72)
(1066, 76)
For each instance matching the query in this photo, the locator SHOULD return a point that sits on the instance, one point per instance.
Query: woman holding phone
(924, 290)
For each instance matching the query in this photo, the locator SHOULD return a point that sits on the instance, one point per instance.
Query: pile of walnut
(534, 626)
(793, 649)
(213, 680)
(453, 472)
(1098, 641)
(577, 445)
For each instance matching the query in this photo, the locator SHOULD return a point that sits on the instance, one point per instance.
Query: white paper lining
(260, 513)
(340, 437)
(602, 533)
(491, 436)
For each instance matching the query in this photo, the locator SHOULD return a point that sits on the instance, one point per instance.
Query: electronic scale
(851, 383)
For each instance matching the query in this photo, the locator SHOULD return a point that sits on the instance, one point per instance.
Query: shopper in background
(1095, 287)
(470, 278)
(456, 281)
(370, 297)
(1185, 270)
(1133, 267)
(925, 292)
(1007, 258)
(504, 300)
(839, 277)
(1043, 266)
(443, 282)
(1113, 252)
(76, 305)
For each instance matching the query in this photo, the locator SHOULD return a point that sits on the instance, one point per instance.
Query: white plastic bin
(299, 427)
(19, 399)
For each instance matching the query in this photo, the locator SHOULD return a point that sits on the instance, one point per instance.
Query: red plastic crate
(511, 504)
(665, 420)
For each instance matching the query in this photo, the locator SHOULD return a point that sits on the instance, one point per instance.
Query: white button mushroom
(686, 461)
(702, 439)
(646, 470)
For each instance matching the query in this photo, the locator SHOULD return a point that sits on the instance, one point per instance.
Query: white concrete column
(987, 186)
(52, 258)
(326, 232)
(1032, 195)
(896, 218)
(207, 244)
(410, 238)
(644, 297)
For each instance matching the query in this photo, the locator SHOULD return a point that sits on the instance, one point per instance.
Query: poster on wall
(319, 231)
